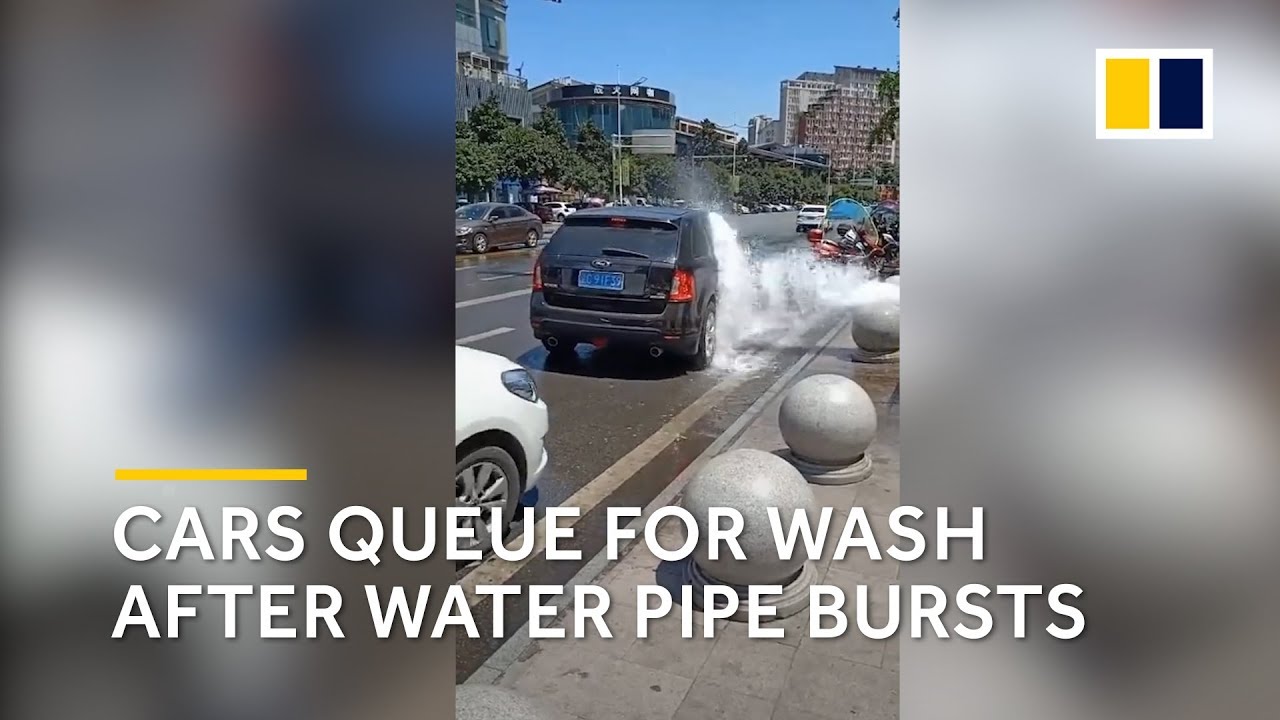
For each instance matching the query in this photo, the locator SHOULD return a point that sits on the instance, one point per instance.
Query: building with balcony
(834, 112)
(841, 123)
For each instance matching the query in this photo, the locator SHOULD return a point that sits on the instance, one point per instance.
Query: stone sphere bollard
(828, 422)
(750, 481)
(875, 330)
(489, 702)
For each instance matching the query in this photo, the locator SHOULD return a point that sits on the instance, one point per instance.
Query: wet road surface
(605, 403)
(622, 425)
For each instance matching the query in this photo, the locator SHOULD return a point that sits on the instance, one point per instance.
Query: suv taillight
(681, 286)
(537, 273)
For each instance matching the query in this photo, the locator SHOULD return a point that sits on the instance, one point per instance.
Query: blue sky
(723, 59)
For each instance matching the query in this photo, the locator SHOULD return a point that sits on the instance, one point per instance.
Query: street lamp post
(617, 138)
(733, 173)
(617, 89)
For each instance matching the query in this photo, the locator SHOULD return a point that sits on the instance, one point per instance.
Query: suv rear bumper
(676, 329)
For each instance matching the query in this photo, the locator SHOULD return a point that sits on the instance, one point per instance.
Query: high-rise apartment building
(836, 113)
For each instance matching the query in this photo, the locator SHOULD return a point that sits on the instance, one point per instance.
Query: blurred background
(214, 256)
(1093, 340)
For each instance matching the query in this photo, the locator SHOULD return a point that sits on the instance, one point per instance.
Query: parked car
(810, 217)
(542, 211)
(560, 210)
(500, 424)
(484, 226)
(639, 277)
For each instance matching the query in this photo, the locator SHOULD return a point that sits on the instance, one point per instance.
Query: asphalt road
(604, 404)
(622, 426)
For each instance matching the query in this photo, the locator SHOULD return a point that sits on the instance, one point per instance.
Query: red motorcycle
(850, 249)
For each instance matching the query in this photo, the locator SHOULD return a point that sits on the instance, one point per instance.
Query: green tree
(662, 178)
(487, 121)
(885, 174)
(548, 123)
(591, 169)
(475, 166)
(653, 176)
(528, 155)
(706, 140)
(549, 133)
(886, 127)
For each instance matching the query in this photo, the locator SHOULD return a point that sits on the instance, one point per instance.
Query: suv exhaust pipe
(655, 352)
(553, 342)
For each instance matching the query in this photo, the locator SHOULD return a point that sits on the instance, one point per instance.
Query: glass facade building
(604, 115)
(643, 109)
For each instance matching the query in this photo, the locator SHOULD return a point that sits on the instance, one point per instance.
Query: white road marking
(495, 571)
(490, 298)
(483, 336)
(502, 277)
(518, 641)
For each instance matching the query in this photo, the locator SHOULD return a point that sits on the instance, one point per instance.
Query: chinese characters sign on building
(633, 90)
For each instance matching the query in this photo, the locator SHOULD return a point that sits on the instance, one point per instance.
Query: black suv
(639, 276)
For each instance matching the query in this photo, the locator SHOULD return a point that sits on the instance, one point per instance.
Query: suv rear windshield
(813, 209)
(602, 236)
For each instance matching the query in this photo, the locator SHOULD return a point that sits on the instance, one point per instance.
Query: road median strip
(495, 571)
(594, 567)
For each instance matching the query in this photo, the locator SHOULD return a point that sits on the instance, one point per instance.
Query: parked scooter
(849, 248)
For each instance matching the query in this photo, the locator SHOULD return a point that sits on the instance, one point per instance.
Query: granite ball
(749, 481)
(488, 702)
(827, 420)
(876, 326)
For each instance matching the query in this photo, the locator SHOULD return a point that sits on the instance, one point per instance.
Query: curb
(510, 651)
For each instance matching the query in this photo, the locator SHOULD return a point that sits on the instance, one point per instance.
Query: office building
(483, 70)
(761, 130)
(481, 29)
(645, 116)
(540, 95)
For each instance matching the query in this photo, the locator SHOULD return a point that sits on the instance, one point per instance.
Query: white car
(559, 210)
(499, 429)
(810, 217)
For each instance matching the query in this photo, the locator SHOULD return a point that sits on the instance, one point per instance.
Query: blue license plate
(599, 280)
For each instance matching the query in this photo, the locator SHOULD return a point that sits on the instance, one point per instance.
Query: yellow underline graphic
(212, 474)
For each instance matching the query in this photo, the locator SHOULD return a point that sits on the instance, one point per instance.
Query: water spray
(766, 298)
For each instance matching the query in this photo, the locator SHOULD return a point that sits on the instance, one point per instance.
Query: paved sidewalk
(666, 677)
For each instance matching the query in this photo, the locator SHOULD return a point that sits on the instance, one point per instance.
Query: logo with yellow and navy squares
(1155, 94)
